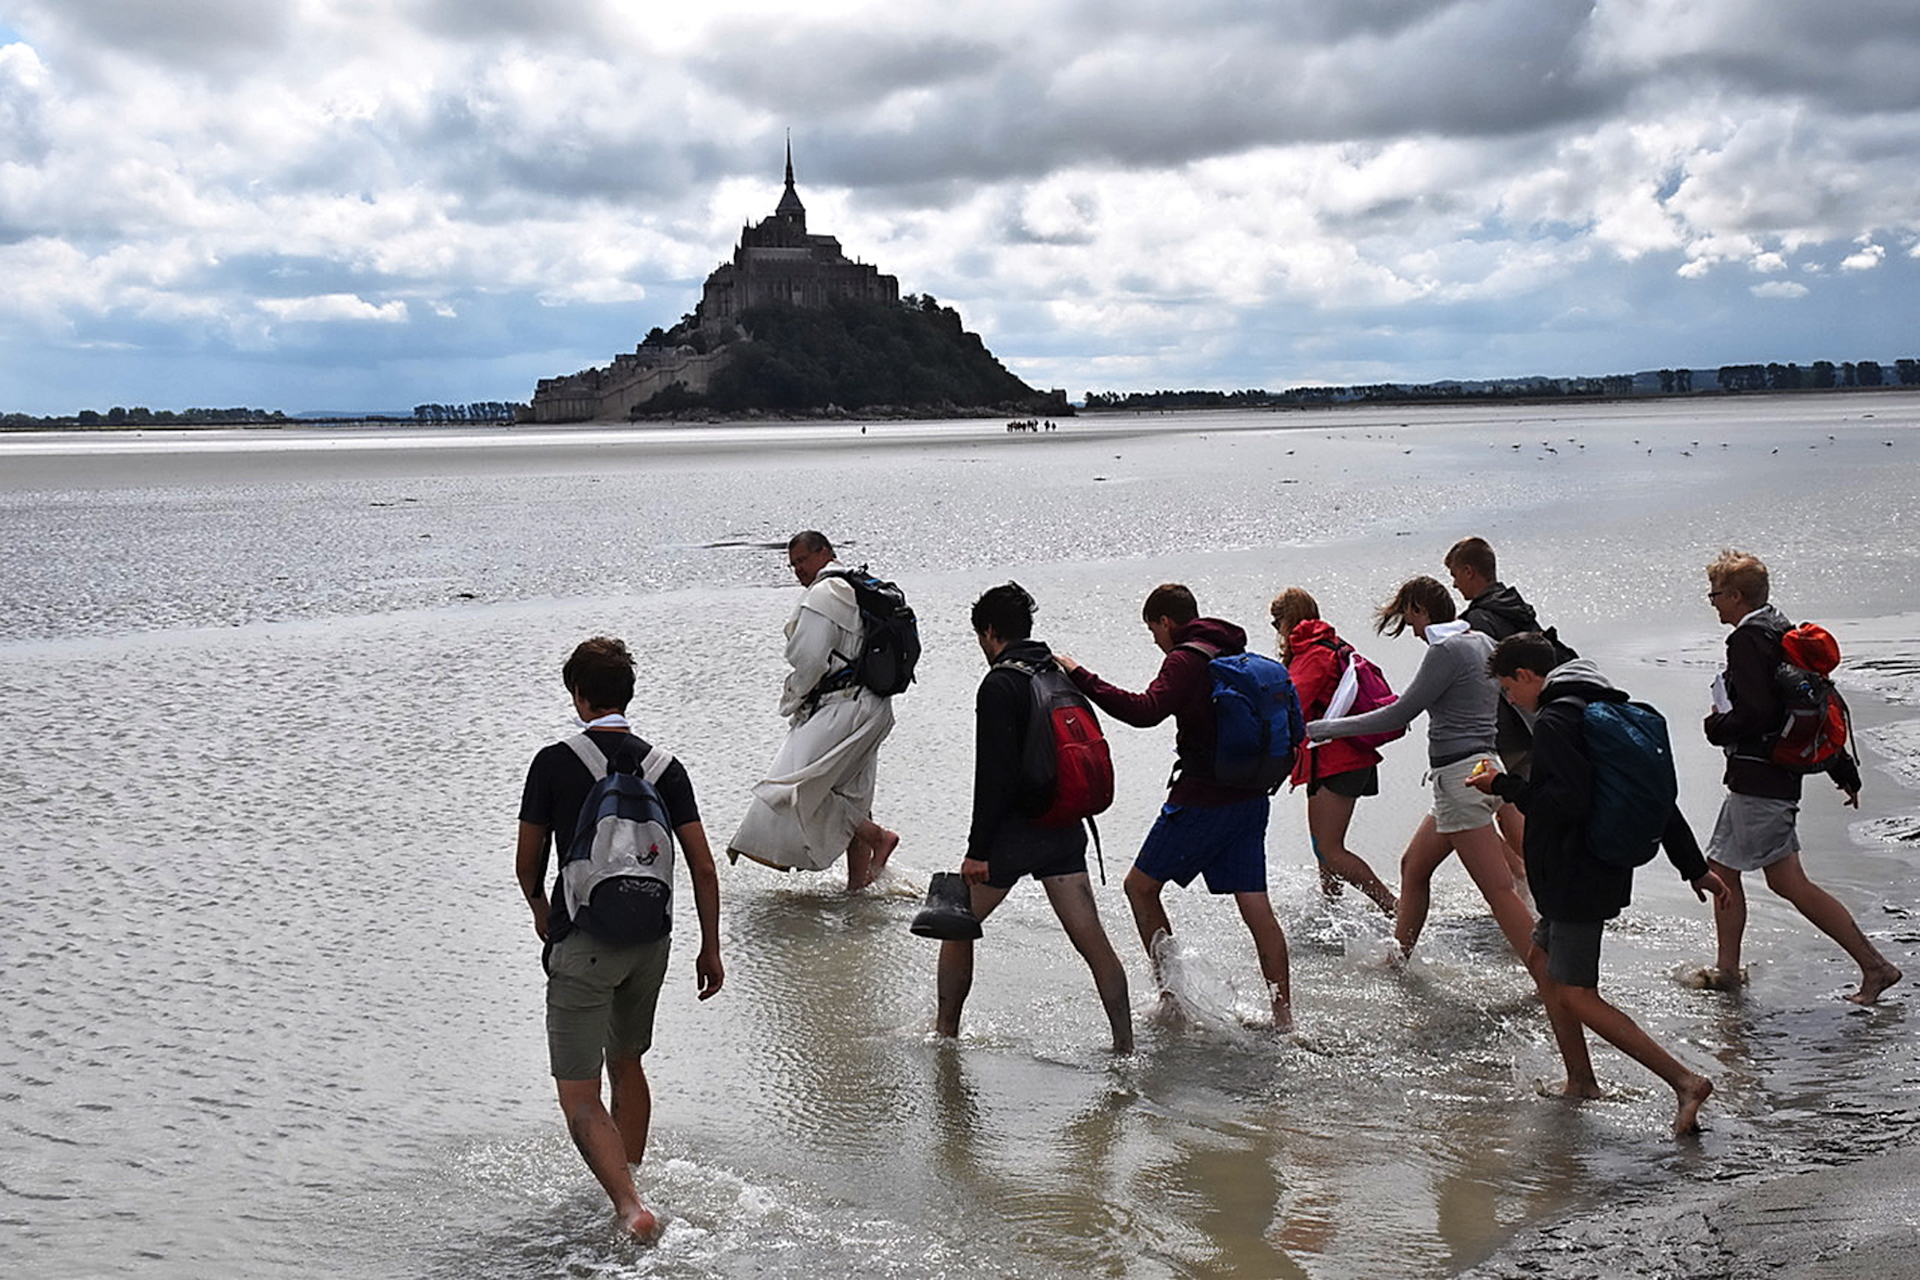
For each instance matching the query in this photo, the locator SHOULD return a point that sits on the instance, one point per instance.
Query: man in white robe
(817, 800)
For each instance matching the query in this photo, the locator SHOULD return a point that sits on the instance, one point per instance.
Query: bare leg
(1328, 816)
(859, 865)
(867, 852)
(1072, 900)
(600, 1144)
(632, 1104)
(1568, 1034)
(1513, 830)
(1789, 879)
(1425, 852)
(1482, 853)
(1729, 926)
(1626, 1035)
(953, 975)
(1270, 945)
(1149, 916)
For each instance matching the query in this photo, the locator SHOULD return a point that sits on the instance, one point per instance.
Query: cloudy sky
(366, 204)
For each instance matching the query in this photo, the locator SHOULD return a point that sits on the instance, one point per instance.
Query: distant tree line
(1821, 375)
(1379, 392)
(141, 416)
(478, 411)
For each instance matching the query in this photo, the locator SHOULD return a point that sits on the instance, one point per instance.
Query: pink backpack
(1362, 688)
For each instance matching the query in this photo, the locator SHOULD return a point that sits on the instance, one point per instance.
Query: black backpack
(889, 634)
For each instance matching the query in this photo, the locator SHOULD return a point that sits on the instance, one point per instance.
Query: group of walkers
(1510, 763)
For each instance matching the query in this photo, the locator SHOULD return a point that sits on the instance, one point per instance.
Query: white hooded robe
(821, 784)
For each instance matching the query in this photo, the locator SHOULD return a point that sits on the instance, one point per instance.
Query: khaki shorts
(600, 1002)
(1753, 832)
(1457, 806)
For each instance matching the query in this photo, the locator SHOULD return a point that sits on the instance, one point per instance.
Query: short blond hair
(1742, 572)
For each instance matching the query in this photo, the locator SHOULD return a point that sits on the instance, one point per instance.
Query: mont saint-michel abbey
(777, 260)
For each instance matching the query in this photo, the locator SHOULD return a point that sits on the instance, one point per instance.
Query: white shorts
(1457, 806)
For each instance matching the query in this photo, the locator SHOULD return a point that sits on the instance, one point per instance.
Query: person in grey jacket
(1459, 699)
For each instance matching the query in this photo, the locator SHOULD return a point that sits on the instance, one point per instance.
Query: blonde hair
(1289, 609)
(1739, 571)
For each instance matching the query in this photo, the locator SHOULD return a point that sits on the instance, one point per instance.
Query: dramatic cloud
(372, 203)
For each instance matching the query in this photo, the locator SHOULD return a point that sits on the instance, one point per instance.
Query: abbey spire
(790, 210)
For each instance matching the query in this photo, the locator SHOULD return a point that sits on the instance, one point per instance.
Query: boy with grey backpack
(615, 808)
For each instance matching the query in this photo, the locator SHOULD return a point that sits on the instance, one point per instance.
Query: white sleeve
(817, 644)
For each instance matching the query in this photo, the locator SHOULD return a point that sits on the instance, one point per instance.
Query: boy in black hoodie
(1576, 892)
(1003, 844)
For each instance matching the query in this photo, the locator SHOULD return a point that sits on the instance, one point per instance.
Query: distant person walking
(1337, 772)
(1757, 830)
(816, 802)
(1457, 695)
(607, 935)
(1003, 842)
(1577, 892)
(1206, 828)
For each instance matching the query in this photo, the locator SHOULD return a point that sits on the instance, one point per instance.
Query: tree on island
(850, 354)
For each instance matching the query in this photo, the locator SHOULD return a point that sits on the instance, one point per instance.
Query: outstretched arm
(1436, 673)
(706, 902)
(1181, 676)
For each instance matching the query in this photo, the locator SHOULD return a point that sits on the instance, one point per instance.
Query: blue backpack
(1634, 787)
(1257, 718)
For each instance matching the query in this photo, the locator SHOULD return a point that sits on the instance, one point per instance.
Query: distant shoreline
(12, 425)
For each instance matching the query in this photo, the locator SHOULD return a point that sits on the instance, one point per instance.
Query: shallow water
(274, 1007)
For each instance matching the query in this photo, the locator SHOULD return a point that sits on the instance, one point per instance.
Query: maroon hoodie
(1183, 690)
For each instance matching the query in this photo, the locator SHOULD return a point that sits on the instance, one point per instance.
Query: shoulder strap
(590, 755)
(1015, 664)
(658, 761)
(1201, 647)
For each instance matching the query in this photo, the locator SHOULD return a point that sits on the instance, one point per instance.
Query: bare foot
(1719, 979)
(888, 842)
(1282, 1016)
(641, 1224)
(1695, 1091)
(1574, 1090)
(1330, 886)
(1168, 1011)
(1873, 982)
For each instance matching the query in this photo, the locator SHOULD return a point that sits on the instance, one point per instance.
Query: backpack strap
(590, 755)
(657, 762)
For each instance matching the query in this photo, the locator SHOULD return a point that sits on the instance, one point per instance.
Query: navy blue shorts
(1227, 844)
